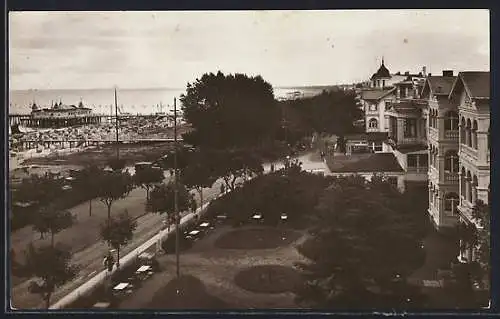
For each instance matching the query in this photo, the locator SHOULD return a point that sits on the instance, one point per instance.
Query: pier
(31, 144)
(28, 121)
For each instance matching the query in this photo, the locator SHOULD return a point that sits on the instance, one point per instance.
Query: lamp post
(176, 208)
(116, 129)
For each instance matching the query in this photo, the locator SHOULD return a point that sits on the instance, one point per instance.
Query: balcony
(420, 169)
(451, 134)
(433, 133)
(468, 151)
(450, 177)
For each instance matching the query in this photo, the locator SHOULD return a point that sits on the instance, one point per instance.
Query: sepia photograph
(327, 160)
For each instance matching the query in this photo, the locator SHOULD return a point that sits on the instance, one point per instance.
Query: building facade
(471, 94)
(60, 115)
(442, 142)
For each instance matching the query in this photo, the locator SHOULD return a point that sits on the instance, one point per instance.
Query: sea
(133, 101)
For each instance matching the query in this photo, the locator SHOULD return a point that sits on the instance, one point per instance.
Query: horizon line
(166, 88)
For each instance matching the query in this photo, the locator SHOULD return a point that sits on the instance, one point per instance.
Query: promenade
(89, 249)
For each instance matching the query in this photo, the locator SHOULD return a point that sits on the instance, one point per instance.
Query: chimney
(407, 73)
(424, 70)
(447, 73)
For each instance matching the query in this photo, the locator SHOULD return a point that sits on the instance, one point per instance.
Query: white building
(471, 93)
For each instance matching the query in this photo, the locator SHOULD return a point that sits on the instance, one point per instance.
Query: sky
(82, 50)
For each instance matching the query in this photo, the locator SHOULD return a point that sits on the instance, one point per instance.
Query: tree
(198, 175)
(161, 199)
(234, 164)
(118, 232)
(482, 213)
(183, 160)
(41, 190)
(52, 220)
(147, 177)
(117, 164)
(113, 186)
(361, 250)
(87, 181)
(227, 111)
(332, 112)
(51, 265)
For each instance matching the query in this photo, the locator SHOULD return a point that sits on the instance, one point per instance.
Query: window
(474, 134)
(373, 123)
(451, 203)
(462, 131)
(451, 122)
(423, 161)
(393, 181)
(463, 182)
(451, 162)
(383, 83)
(378, 83)
(412, 160)
(410, 129)
(468, 132)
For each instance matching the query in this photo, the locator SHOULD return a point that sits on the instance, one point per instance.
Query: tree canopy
(233, 164)
(362, 248)
(113, 186)
(161, 199)
(38, 189)
(482, 213)
(118, 232)
(52, 220)
(331, 112)
(87, 182)
(147, 177)
(227, 111)
(51, 265)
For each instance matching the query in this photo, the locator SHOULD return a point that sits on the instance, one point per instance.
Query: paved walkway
(216, 268)
(89, 249)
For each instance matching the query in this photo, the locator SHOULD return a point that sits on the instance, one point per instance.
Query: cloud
(74, 49)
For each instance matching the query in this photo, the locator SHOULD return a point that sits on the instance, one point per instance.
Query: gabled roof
(476, 83)
(375, 95)
(367, 163)
(439, 85)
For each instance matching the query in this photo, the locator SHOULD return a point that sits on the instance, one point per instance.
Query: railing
(412, 140)
(465, 149)
(451, 177)
(451, 134)
(420, 169)
(433, 133)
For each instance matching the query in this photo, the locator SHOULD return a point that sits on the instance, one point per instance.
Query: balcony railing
(451, 177)
(420, 169)
(451, 134)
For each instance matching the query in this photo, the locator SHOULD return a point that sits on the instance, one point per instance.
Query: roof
(381, 73)
(377, 136)
(367, 136)
(409, 148)
(440, 85)
(357, 163)
(375, 95)
(476, 83)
